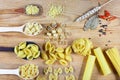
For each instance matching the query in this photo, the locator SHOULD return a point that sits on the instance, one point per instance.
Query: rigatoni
(89, 68)
(102, 61)
(114, 57)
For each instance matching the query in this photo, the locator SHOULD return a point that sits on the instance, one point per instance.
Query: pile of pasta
(55, 73)
(82, 46)
(32, 10)
(28, 51)
(55, 11)
(32, 28)
(52, 54)
(28, 71)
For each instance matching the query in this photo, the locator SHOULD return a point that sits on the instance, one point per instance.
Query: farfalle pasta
(68, 69)
(82, 46)
(53, 77)
(70, 77)
(28, 51)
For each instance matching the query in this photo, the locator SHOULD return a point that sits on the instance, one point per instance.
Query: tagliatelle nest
(82, 46)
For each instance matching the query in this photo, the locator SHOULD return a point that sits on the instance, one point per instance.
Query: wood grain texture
(73, 9)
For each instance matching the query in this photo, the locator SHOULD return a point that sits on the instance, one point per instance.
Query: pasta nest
(82, 46)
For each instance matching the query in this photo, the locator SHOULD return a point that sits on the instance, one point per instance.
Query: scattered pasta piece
(49, 62)
(28, 51)
(60, 50)
(28, 71)
(57, 71)
(53, 77)
(82, 46)
(63, 62)
(69, 69)
(48, 70)
(70, 77)
(41, 77)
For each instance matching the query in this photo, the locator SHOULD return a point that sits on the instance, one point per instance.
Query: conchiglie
(63, 62)
(68, 50)
(21, 54)
(44, 55)
(47, 46)
(22, 45)
(49, 62)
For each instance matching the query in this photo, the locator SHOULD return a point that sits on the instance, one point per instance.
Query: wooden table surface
(73, 8)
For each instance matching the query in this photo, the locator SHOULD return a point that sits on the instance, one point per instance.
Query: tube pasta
(28, 71)
(29, 51)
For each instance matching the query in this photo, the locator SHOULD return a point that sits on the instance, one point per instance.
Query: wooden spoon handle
(8, 49)
(12, 11)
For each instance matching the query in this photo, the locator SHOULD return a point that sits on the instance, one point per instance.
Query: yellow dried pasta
(52, 54)
(28, 51)
(41, 77)
(49, 62)
(82, 46)
(28, 71)
(70, 77)
(68, 50)
(63, 62)
(48, 70)
(59, 50)
(53, 77)
(47, 46)
(44, 55)
(32, 10)
(68, 69)
(57, 71)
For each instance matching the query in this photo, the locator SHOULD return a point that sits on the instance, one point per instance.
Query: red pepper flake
(107, 16)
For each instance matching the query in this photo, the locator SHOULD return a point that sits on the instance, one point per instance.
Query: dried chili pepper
(107, 16)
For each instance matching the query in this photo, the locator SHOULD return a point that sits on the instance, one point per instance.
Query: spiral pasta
(28, 71)
(82, 46)
(28, 51)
